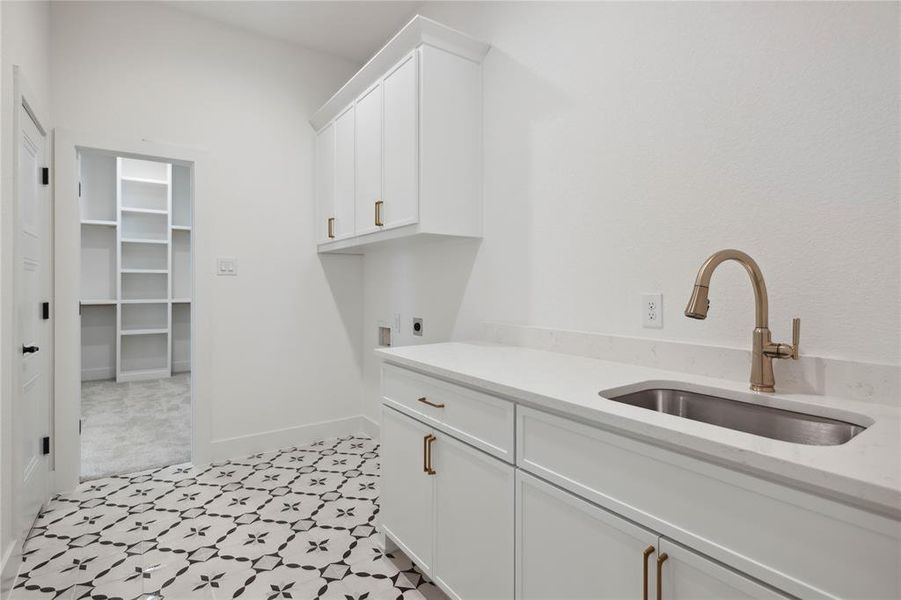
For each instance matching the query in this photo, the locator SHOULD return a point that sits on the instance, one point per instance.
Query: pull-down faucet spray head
(698, 304)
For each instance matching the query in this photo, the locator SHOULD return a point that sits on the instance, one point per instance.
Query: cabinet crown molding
(420, 30)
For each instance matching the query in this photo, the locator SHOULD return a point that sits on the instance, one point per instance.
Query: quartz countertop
(865, 471)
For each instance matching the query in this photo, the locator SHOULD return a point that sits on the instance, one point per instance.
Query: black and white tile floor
(295, 524)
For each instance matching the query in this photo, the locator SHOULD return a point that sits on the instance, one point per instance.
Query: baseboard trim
(227, 448)
(98, 373)
(369, 427)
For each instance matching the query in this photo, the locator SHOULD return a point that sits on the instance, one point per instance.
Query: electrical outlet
(652, 311)
(417, 326)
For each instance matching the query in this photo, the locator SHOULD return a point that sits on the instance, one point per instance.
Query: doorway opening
(136, 312)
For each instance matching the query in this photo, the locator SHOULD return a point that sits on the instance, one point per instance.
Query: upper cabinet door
(368, 171)
(344, 174)
(400, 191)
(686, 575)
(325, 182)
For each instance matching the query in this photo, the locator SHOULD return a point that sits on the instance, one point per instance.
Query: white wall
(24, 41)
(283, 337)
(625, 142)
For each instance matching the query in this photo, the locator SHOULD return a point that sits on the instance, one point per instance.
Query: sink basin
(766, 421)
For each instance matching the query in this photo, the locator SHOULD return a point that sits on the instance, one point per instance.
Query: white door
(569, 548)
(401, 171)
(344, 174)
(325, 183)
(407, 489)
(368, 159)
(687, 575)
(31, 409)
(474, 512)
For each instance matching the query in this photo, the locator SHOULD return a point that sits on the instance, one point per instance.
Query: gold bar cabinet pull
(424, 400)
(647, 553)
(378, 213)
(428, 445)
(425, 453)
(331, 228)
(660, 560)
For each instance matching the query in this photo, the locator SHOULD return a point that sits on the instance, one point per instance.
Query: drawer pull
(428, 453)
(647, 553)
(432, 404)
(660, 560)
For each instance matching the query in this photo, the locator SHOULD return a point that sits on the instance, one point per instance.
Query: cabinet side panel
(450, 144)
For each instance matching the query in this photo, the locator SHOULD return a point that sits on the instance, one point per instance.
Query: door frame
(11, 553)
(67, 287)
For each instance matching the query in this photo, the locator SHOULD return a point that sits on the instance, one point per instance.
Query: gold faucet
(763, 349)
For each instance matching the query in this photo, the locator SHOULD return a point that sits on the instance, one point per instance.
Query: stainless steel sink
(766, 421)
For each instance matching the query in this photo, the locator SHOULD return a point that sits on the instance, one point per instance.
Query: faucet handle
(796, 336)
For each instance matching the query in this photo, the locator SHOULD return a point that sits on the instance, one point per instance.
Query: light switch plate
(226, 266)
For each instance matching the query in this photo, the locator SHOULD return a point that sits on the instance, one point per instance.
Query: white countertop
(866, 471)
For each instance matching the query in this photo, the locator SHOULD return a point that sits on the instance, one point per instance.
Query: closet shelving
(136, 267)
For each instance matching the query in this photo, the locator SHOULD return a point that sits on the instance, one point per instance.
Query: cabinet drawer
(484, 421)
(804, 544)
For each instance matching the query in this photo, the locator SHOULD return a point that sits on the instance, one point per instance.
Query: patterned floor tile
(293, 524)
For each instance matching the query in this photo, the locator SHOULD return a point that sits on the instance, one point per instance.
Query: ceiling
(350, 29)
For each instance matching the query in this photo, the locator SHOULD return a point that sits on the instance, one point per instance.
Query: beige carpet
(129, 427)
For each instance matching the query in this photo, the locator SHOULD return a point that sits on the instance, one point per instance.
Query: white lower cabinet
(588, 513)
(686, 575)
(449, 507)
(407, 492)
(570, 548)
(473, 521)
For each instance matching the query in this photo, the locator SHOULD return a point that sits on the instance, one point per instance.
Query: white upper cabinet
(344, 175)
(414, 115)
(400, 201)
(368, 171)
(325, 183)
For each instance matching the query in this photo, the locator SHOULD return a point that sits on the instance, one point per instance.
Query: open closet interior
(135, 301)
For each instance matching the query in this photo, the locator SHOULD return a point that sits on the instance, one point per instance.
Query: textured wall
(625, 142)
(283, 336)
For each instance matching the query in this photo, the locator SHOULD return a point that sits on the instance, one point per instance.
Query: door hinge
(45, 310)
(45, 176)
(79, 189)
(45, 445)
(79, 426)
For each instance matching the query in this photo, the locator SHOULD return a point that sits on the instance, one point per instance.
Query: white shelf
(146, 211)
(143, 241)
(135, 241)
(145, 180)
(145, 331)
